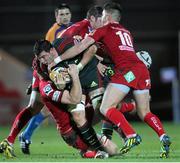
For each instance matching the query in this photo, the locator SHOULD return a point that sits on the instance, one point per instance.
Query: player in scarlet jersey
(130, 73)
(63, 20)
(54, 100)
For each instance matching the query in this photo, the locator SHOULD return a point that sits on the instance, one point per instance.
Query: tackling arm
(75, 50)
(87, 56)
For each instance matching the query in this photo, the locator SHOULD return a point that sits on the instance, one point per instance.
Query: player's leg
(25, 136)
(65, 128)
(107, 126)
(113, 95)
(68, 133)
(143, 110)
(20, 121)
(87, 132)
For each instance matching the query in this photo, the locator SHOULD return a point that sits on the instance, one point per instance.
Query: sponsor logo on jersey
(156, 123)
(56, 95)
(93, 84)
(129, 76)
(47, 89)
(148, 82)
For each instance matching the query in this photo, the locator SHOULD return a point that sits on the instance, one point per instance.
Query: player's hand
(73, 71)
(60, 77)
(101, 68)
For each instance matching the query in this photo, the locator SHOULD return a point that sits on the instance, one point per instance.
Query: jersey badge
(47, 89)
(93, 84)
(129, 76)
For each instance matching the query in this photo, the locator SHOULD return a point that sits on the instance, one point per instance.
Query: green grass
(48, 146)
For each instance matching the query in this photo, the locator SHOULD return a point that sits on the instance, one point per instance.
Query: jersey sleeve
(98, 34)
(35, 81)
(48, 91)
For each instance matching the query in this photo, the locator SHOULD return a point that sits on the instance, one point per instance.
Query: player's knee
(79, 117)
(142, 113)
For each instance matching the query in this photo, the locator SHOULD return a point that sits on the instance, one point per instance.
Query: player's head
(111, 12)
(44, 51)
(63, 14)
(94, 15)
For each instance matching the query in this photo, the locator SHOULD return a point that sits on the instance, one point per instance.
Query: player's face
(105, 16)
(45, 57)
(96, 22)
(63, 16)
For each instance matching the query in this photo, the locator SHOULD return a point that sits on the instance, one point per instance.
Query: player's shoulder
(53, 28)
(81, 24)
(117, 26)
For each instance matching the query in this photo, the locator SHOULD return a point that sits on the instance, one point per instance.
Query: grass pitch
(48, 146)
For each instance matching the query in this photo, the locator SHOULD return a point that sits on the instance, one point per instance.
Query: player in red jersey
(50, 93)
(88, 75)
(63, 20)
(81, 29)
(130, 73)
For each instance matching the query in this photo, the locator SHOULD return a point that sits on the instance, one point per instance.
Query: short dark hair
(62, 6)
(95, 11)
(41, 45)
(113, 6)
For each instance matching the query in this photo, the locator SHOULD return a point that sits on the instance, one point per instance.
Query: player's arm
(78, 48)
(75, 94)
(87, 56)
(50, 92)
(75, 50)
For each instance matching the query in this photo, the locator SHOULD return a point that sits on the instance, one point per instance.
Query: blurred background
(155, 25)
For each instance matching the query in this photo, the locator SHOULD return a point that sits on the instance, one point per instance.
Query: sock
(79, 144)
(74, 140)
(119, 120)
(107, 129)
(20, 121)
(154, 122)
(126, 107)
(32, 125)
(89, 136)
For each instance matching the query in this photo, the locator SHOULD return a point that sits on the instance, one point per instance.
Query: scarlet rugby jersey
(119, 44)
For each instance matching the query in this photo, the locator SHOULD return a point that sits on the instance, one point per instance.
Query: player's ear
(92, 18)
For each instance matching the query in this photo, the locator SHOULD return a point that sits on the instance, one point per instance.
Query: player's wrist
(80, 66)
(75, 78)
(57, 60)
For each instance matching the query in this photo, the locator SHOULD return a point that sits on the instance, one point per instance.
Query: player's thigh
(142, 102)
(112, 97)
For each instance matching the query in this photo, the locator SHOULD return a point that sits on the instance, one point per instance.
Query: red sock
(20, 121)
(118, 119)
(154, 122)
(126, 107)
